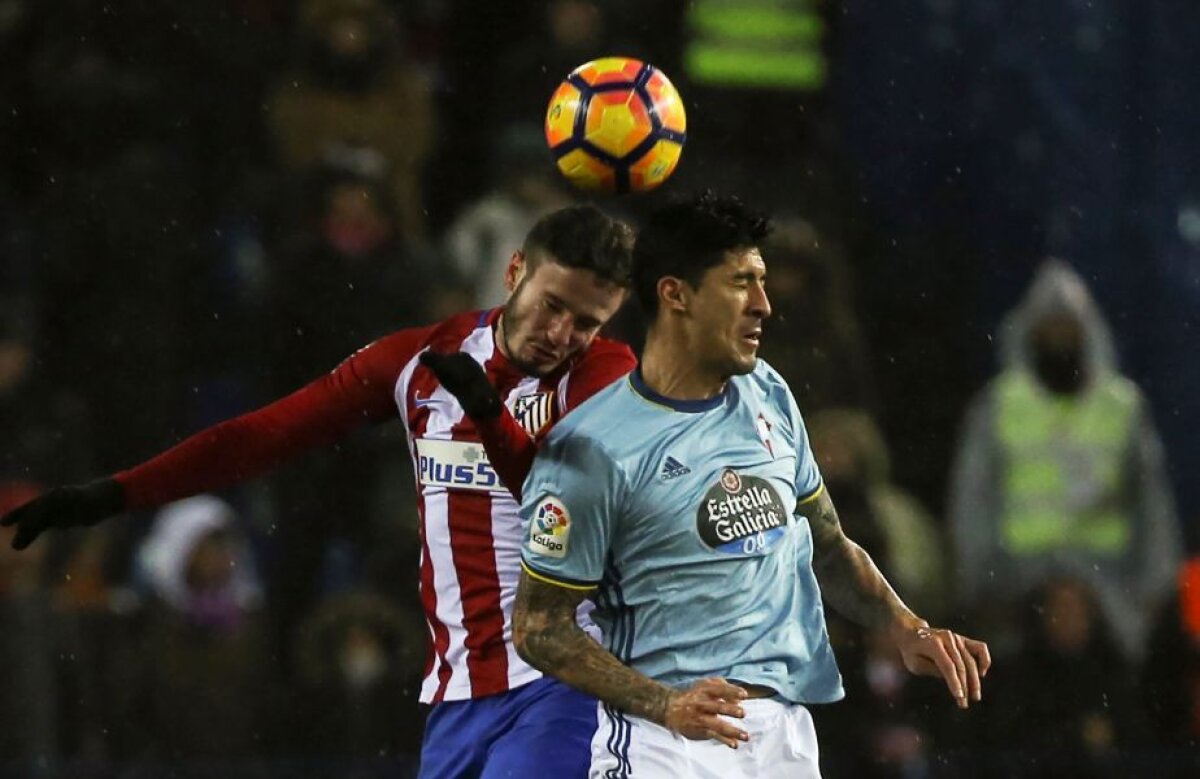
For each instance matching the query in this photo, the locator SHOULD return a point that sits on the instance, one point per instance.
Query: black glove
(464, 379)
(63, 507)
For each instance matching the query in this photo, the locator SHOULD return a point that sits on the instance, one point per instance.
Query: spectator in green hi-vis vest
(756, 44)
(1060, 469)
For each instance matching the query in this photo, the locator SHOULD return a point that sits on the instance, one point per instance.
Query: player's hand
(962, 662)
(63, 507)
(464, 379)
(695, 713)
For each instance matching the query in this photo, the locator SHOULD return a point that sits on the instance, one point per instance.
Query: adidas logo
(672, 468)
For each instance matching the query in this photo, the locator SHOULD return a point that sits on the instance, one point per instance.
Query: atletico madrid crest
(533, 412)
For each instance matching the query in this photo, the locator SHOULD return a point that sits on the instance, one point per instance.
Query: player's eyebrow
(749, 275)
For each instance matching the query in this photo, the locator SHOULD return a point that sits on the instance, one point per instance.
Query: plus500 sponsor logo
(455, 465)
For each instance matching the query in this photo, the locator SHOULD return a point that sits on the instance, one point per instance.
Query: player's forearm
(548, 638)
(250, 445)
(509, 448)
(567, 653)
(850, 581)
(853, 585)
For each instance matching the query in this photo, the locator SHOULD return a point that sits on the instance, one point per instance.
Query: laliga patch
(741, 515)
(549, 529)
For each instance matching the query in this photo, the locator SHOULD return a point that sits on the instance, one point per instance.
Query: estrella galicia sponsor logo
(672, 469)
(458, 465)
(741, 515)
(550, 528)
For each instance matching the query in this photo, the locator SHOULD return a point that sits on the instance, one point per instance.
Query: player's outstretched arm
(357, 392)
(65, 507)
(547, 637)
(854, 586)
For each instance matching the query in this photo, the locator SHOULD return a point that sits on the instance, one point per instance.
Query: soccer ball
(616, 125)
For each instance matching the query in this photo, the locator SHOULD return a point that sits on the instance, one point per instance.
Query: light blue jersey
(681, 514)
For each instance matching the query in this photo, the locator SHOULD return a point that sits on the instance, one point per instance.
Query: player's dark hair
(584, 237)
(687, 237)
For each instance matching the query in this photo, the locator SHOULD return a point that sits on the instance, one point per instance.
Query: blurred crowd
(205, 205)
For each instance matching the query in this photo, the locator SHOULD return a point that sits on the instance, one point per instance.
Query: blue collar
(687, 406)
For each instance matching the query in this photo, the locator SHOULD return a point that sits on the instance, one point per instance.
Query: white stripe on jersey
(563, 385)
(449, 604)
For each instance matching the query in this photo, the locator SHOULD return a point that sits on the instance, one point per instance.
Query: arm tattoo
(548, 638)
(848, 577)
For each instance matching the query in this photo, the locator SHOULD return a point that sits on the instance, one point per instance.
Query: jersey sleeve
(605, 362)
(572, 499)
(808, 482)
(509, 449)
(356, 393)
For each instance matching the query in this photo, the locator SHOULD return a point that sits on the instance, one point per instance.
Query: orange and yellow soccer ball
(616, 125)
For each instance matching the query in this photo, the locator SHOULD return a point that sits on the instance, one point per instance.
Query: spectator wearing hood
(204, 683)
(1060, 469)
(359, 658)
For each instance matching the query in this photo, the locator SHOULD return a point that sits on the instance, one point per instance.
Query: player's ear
(515, 271)
(674, 294)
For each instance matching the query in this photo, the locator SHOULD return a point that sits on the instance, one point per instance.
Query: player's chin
(539, 365)
(744, 362)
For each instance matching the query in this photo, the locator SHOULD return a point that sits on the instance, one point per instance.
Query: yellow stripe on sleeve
(541, 577)
(812, 495)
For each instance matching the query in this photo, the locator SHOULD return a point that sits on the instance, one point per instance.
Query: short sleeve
(569, 509)
(808, 476)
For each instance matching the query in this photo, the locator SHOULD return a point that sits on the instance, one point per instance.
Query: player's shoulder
(764, 373)
(610, 348)
(449, 334)
(600, 416)
(604, 357)
(765, 380)
(769, 387)
(389, 354)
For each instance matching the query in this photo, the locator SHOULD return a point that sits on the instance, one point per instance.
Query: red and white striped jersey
(470, 526)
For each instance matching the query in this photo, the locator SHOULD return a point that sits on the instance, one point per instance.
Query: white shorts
(783, 743)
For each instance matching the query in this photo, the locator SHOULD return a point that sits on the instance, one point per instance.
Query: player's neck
(672, 371)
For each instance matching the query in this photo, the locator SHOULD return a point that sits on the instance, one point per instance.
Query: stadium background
(203, 206)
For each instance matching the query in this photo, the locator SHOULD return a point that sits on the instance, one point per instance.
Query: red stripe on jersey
(439, 637)
(479, 592)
